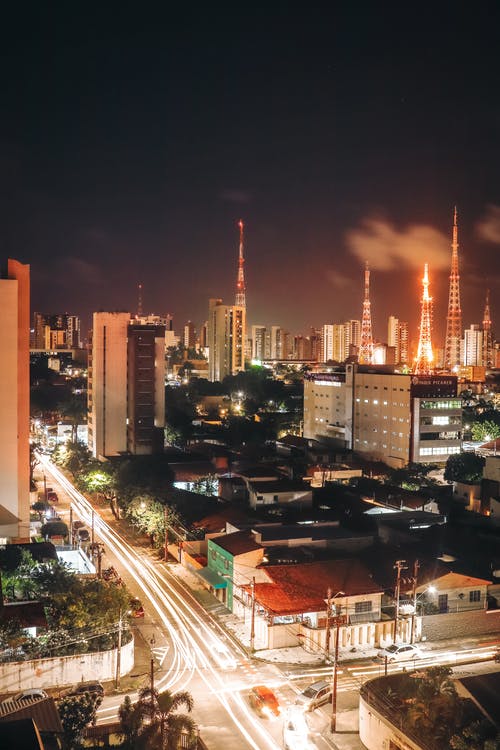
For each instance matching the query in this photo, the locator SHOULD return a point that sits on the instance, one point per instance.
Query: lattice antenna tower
(454, 316)
(366, 343)
(424, 363)
(487, 334)
(240, 281)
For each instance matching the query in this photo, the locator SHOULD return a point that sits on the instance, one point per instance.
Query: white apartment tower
(226, 333)
(107, 386)
(473, 346)
(126, 386)
(397, 337)
(14, 403)
(260, 348)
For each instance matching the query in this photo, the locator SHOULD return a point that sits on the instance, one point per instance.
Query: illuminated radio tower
(454, 316)
(487, 334)
(425, 357)
(366, 343)
(240, 283)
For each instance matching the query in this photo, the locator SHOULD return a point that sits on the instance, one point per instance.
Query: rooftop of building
(279, 485)
(237, 543)
(304, 587)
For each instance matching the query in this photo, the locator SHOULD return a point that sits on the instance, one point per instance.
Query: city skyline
(133, 146)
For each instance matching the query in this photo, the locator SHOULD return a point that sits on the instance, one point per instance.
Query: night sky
(133, 138)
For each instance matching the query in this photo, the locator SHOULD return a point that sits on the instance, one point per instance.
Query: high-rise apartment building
(126, 386)
(276, 343)
(327, 343)
(52, 332)
(260, 343)
(473, 346)
(14, 403)
(397, 337)
(226, 330)
(189, 335)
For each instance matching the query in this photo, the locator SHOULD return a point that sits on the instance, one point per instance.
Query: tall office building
(126, 386)
(383, 415)
(14, 403)
(226, 330)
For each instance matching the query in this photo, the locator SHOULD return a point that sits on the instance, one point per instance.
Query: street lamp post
(252, 616)
(338, 621)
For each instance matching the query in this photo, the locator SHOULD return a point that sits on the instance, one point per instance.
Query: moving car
(264, 701)
(315, 695)
(295, 730)
(136, 608)
(26, 695)
(400, 652)
(90, 686)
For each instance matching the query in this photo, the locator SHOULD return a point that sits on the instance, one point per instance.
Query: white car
(26, 695)
(296, 731)
(400, 652)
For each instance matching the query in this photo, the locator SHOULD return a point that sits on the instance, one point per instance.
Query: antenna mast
(454, 316)
(366, 344)
(424, 363)
(240, 300)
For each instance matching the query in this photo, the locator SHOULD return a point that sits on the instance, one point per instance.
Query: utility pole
(165, 548)
(71, 525)
(399, 565)
(252, 621)
(327, 635)
(92, 529)
(338, 621)
(416, 566)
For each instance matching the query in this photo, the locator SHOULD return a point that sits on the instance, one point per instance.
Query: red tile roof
(303, 588)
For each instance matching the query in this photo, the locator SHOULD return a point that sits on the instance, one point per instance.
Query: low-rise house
(279, 492)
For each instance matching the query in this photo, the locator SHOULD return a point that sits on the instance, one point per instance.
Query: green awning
(214, 579)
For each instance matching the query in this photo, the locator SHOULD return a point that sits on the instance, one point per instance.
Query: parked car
(315, 695)
(52, 497)
(400, 652)
(136, 608)
(90, 686)
(83, 535)
(109, 573)
(263, 701)
(295, 730)
(26, 695)
(77, 525)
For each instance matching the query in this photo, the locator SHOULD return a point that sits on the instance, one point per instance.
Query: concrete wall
(65, 670)
(377, 733)
(460, 624)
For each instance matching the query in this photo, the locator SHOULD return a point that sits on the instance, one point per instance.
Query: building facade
(384, 415)
(126, 397)
(14, 403)
(226, 339)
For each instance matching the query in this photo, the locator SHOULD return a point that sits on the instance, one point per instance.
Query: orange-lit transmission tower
(454, 316)
(487, 335)
(366, 343)
(240, 282)
(425, 357)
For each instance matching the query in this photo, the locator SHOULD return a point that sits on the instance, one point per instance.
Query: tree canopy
(464, 467)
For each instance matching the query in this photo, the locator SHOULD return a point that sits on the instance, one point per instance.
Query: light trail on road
(197, 640)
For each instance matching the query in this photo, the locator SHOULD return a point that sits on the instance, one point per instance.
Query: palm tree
(153, 722)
